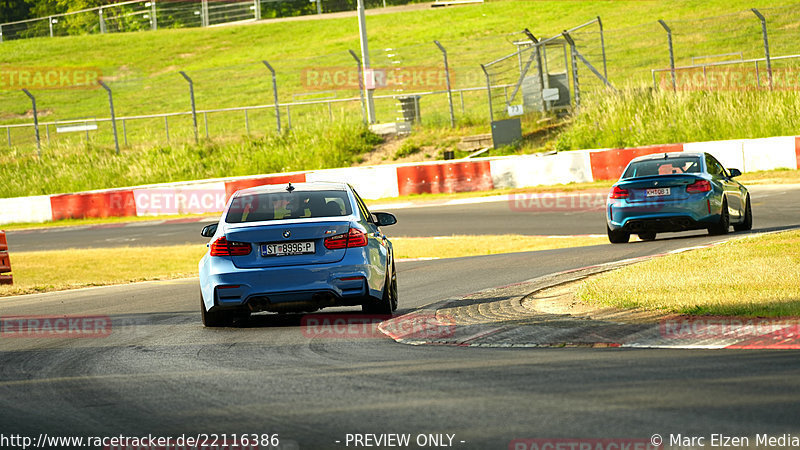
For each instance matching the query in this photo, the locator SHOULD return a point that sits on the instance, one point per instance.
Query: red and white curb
(738, 333)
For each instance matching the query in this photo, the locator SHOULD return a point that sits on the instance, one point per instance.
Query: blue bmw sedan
(668, 192)
(296, 248)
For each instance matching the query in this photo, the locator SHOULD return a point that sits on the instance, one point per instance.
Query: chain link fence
(141, 15)
(488, 76)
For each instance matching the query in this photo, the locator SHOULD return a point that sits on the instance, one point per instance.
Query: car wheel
(214, 318)
(388, 302)
(618, 236)
(724, 223)
(393, 289)
(747, 223)
(649, 236)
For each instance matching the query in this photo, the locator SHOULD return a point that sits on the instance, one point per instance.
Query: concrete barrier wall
(391, 180)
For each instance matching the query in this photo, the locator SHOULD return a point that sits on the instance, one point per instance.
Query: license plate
(287, 248)
(657, 192)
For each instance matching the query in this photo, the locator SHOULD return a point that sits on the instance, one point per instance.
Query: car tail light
(353, 238)
(221, 247)
(618, 192)
(699, 186)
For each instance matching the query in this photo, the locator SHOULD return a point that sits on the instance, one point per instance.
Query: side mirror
(209, 230)
(734, 172)
(385, 219)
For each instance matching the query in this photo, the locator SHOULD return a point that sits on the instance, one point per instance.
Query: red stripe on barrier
(233, 186)
(101, 204)
(445, 178)
(3, 242)
(797, 149)
(609, 164)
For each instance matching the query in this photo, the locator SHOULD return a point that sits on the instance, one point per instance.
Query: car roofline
(309, 186)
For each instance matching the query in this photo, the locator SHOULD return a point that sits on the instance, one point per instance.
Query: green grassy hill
(142, 69)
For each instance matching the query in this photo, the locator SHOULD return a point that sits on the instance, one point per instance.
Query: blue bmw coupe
(669, 192)
(296, 248)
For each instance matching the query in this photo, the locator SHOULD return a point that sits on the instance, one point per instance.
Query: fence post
(275, 95)
(194, 111)
(319, 6)
(102, 21)
(205, 121)
(154, 22)
(1, 32)
(113, 117)
(166, 127)
(35, 122)
(671, 54)
(50, 21)
(8, 135)
(603, 48)
(124, 133)
(360, 85)
(204, 13)
(766, 44)
(447, 77)
(257, 9)
(573, 57)
(489, 92)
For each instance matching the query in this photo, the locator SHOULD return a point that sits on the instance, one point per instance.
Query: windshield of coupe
(668, 166)
(288, 205)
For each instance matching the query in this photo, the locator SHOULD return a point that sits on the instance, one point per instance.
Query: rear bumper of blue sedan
(666, 216)
(285, 289)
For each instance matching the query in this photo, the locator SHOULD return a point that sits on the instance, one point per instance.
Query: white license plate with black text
(657, 192)
(287, 248)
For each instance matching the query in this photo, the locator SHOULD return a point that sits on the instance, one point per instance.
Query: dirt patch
(387, 153)
(28, 114)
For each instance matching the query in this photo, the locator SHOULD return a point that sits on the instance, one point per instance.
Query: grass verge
(728, 279)
(70, 269)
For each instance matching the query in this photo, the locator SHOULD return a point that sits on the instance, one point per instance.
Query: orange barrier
(235, 185)
(445, 178)
(5, 262)
(609, 164)
(93, 204)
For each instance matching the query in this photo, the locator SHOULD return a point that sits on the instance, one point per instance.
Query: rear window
(667, 166)
(288, 205)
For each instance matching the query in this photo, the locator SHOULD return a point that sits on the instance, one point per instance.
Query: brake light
(221, 247)
(618, 192)
(699, 186)
(353, 238)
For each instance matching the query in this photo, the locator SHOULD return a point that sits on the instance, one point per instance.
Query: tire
(747, 223)
(618, 236)
(724, 224)
(216, 318)
(648, 236)
(388, 302)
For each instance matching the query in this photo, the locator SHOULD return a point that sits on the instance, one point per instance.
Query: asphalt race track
(774, 207)
(160, 372)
